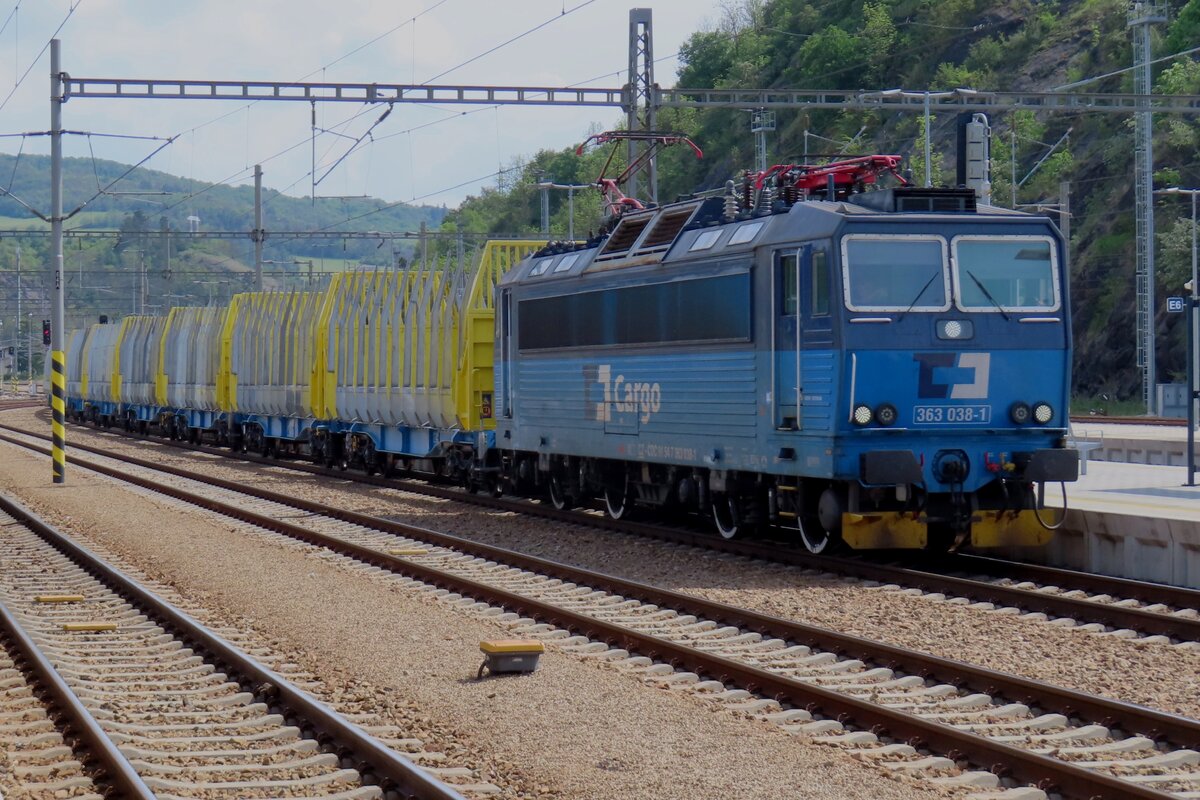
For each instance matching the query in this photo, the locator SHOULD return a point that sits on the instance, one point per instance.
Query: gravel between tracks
(1151, 674)
(574, 729)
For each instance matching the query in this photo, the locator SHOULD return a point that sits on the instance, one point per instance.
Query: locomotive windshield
(895, 273)
(1005, 274)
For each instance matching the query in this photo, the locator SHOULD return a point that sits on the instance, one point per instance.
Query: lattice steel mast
(1141, 16)
(640, 99)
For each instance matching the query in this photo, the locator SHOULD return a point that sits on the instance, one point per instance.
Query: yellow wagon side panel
(473, 380)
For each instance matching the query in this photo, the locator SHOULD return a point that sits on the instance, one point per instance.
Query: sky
(392, 41)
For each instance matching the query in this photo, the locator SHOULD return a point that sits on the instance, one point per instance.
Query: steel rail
(109, 768)
(1022, 765)
(1149, 622)
(1178, 596)
(315, 718)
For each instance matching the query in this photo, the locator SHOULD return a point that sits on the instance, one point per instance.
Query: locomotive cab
(947, 375)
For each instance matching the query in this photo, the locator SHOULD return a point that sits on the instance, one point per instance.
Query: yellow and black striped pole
(58, 400)
(58, 361)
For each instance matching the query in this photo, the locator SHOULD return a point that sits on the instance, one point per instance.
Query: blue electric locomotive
(884, 368)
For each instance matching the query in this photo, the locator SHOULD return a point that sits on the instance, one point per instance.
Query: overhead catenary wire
(75, 4)
(943, 41)
(507, 42)
(11, 16)
(410, 21)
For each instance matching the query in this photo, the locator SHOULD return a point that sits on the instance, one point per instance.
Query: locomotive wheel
(726, 516)
(617, 502)
(558, 495)
(815, 535)
(816, 539)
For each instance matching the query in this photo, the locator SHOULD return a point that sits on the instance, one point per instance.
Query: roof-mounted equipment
(792, 183)
(615, 201)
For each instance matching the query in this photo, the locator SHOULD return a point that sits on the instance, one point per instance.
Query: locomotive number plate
(952, 415)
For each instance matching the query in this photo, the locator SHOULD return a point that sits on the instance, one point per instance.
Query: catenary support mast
(1141, 16)
(58, 362)
(641, 100)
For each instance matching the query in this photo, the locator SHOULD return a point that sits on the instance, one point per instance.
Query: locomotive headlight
(886, 414)
(955, 329)
(862, 415)
(1043, 413)
(1019, 413)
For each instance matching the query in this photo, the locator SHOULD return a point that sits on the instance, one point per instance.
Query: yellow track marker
(509, 655)
(58, 598)
(496, 646)
(89, 626)
(409, 551)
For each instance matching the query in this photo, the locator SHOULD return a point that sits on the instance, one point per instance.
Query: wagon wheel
(370, 458)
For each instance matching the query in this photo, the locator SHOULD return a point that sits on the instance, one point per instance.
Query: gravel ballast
(1151, 674)
(574, 729)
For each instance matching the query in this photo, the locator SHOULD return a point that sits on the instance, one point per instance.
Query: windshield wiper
(920, 294)
(988, 295)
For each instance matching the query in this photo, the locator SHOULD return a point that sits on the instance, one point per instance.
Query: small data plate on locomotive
(952, 415)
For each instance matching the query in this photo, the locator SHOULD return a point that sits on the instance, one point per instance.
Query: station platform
(1131, 443)
(1130, 514)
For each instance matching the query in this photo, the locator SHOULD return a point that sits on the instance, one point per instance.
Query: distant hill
(142, 272)
(224, 208)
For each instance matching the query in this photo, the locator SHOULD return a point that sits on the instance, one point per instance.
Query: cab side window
(787, 285)
(820, 284)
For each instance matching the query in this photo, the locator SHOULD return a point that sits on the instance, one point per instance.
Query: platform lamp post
(1193, 347)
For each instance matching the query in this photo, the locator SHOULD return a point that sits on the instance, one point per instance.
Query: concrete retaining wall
(1124, 546)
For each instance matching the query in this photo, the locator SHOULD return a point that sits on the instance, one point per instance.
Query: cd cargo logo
(621, 396)
(962, 376)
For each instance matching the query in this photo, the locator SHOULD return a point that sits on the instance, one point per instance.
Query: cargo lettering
(626, 397)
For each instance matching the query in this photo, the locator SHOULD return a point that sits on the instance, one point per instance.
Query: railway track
(1117, 606)
(155, 705)
(953, 722)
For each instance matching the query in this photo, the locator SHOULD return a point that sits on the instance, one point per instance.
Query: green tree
(1174, 264)
(1184, 32)
(822, 60)
(877, 37)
